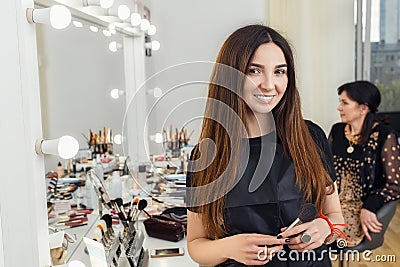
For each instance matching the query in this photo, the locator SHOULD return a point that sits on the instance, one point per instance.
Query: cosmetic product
(68, 167)
(60, 170)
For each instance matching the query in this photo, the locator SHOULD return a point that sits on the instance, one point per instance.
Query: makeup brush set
(129, 240)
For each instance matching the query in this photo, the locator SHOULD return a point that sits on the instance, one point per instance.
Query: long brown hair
(311, 176)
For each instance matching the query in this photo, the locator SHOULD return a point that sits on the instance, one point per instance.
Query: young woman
(367, 159)
(257, 162)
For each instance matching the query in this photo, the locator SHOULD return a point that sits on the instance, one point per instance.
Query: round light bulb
(144, 25)
(67, 147)
(60, 17)
(76, 264)
(118, 139)
(77, 24)
(114, 93)
(157, 92)
(106, 3)
(155, 45)
(159, 138)
(152, 30)
(107, 33)
(123, 12)
(114, 46)
(93, 28)
(136, 19)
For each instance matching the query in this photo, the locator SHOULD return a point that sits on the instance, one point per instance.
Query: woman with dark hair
(257, 162)
(366, 158)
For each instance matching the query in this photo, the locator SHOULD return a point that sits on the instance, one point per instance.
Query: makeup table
(76, 251)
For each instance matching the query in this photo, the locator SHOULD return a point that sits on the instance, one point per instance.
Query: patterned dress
(367, 175)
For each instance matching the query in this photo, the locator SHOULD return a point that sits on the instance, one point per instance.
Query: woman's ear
(364, 109)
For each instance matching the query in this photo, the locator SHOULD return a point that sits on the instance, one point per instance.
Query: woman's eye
(254, 71)
(280, 71)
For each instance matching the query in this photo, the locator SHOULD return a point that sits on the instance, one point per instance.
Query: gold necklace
(353, 139)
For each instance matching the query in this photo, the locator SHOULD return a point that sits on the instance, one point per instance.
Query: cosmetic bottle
(60, 170)
(116, 186)
(92, 200)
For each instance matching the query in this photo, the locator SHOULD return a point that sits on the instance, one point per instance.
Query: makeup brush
(108, 220)
(142, 205)
(118, 202)
(134, 202)
(307, 213)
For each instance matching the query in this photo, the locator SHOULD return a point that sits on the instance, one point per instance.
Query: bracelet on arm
(335, 232)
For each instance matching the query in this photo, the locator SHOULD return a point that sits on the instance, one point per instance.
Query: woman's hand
(252, 249)
(369, 223)
(318, 229)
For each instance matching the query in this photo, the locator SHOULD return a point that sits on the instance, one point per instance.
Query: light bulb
(144, 25)
(93, 28)
(159, 138)
(66, 147)
(157, 92)
(114, 46)
(76, 264)
(152, 30)
(77, 24)
(106, 3)
(107, 33)
(114, 93)
(136, 19)
(155, 45)
(123, 12)
(58, 16)
(118, 139)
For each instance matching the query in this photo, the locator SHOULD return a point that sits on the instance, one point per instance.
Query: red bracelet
(334, 231)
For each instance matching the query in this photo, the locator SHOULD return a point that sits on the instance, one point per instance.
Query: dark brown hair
(237, 52)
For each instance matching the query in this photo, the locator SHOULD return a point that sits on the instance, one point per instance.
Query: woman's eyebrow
(256, 65)
(281, 66)
(284, 65)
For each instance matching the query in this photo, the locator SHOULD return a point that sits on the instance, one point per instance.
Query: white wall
(191, 31)
(77, 72)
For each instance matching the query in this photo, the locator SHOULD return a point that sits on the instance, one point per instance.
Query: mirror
(77, 72)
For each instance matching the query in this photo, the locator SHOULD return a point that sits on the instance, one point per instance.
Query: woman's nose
(267, 83)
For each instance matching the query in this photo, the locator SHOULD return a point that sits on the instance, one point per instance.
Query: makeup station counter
(168, 193)
(77, 250)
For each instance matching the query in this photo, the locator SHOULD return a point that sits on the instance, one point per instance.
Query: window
(378, 48)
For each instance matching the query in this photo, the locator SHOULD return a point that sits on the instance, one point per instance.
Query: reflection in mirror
(77, 72)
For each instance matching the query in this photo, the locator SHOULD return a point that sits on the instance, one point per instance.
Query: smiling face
(266, 79)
